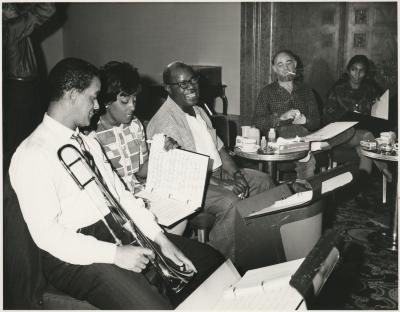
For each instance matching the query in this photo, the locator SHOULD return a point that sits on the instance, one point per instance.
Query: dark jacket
(19, 58)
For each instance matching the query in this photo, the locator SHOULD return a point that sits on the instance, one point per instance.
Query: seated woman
(355, 93)
(120, 133)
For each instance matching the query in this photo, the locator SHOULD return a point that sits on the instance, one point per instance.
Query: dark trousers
(22, 113)
(222, 203)
(107, 286)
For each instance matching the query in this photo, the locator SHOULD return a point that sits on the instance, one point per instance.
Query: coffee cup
(245, 131)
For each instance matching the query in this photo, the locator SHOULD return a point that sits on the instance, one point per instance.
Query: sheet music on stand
(330, 131)
(264, 289)
(175, 182)
(289, 286)
(380, 109)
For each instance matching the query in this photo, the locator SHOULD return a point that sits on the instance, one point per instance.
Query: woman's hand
(172, 252)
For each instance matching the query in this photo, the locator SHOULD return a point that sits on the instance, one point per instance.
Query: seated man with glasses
(181, 119)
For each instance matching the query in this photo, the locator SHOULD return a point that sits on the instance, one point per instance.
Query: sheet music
(174, 177)
(290, 201)
(330, 131)
(335, 182)
(381, 108)
(180, 173)
(317, 145)
(167, 210)
(207, 295)
(263, 289)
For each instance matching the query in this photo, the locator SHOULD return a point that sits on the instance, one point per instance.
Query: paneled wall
(372, 30)
(324, 35)
(313, 32)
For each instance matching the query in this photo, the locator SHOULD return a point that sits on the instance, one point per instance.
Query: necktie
(88, 156)
(90, 161)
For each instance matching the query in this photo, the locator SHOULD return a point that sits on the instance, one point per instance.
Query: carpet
(367, 278)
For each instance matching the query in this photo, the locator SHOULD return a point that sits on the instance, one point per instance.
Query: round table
(270, 159)
(387, 239)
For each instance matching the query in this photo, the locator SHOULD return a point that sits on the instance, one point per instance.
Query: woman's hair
(360, 59)
(116, 78)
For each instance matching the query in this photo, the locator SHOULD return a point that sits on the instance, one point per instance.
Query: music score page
(263, 289)
(330, 131)
(175, 182)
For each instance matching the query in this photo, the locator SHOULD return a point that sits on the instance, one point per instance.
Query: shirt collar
(278, 86)
(58, 129)
(176, 107)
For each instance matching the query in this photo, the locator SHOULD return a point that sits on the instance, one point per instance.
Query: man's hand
(238, 186)
(290, 114)
(133, 258)
(172, 252)
(241, 187)
(170, 143)
(300, 120)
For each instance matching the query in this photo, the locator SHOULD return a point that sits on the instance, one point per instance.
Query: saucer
(249, 149)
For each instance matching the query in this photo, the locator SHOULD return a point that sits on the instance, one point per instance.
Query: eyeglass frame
(194, 80)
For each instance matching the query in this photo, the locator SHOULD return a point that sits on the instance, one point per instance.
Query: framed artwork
(361, 16)
(360, 40)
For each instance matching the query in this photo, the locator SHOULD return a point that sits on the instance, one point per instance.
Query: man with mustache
(289, 106)
(181, 119)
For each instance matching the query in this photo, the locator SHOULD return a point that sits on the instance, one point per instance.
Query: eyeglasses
(185, 83)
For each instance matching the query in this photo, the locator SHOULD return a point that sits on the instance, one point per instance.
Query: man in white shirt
(80, 254)
(181, 119)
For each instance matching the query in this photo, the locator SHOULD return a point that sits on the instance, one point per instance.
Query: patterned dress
(126, 148)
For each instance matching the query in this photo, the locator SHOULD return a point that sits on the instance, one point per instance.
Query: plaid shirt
(342, 98)
(125, 147)
(274, 100)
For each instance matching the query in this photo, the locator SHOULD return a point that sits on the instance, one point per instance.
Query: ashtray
(266, 151)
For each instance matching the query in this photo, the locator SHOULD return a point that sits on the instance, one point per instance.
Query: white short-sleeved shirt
(203, 140)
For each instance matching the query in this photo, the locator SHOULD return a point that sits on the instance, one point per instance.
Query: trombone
(176, 277)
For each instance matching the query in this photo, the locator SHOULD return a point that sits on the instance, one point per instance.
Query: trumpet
(176, 277)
